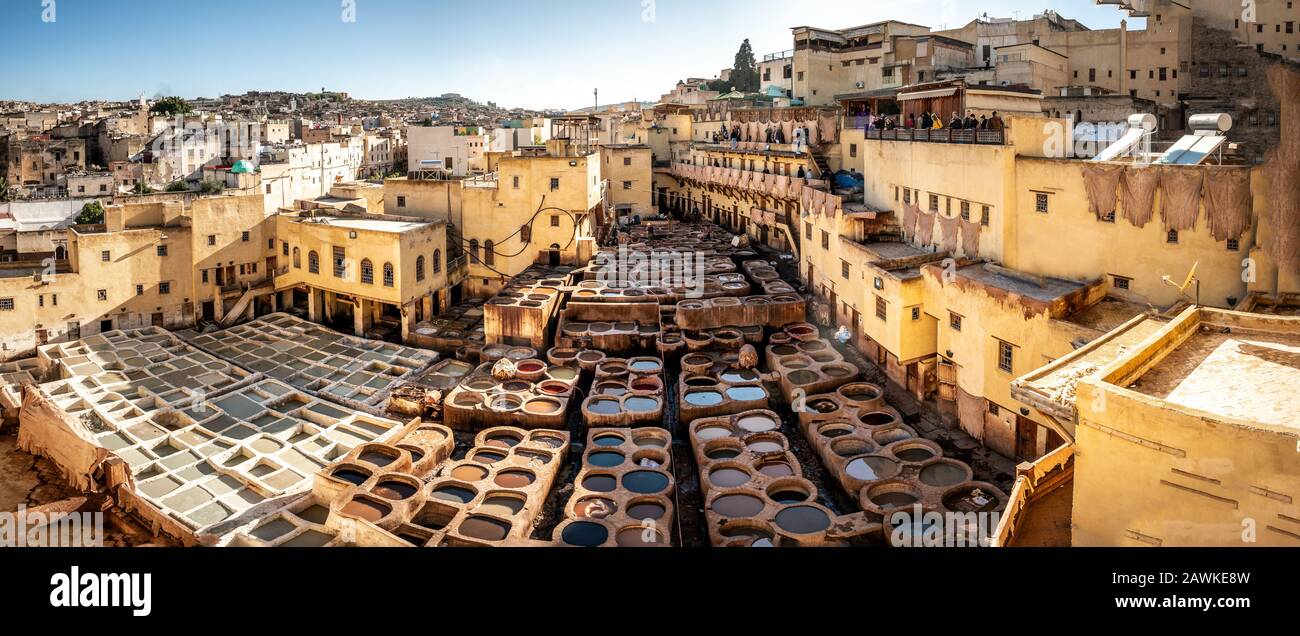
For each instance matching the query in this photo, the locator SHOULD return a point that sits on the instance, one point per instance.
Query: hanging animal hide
(1101, 183)
(1283, 169)
(948, 232)
(1227, 202)
(910, 214)
(1138, 192)
(826, 128)
(970, 238)
(925, 227)
(1180, 197)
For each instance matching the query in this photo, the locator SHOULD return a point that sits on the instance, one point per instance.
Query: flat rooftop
(1036, 287)
(1106, 314)
(373, 225)
(1232, 372)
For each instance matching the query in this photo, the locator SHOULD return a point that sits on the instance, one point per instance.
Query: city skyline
(384, 54)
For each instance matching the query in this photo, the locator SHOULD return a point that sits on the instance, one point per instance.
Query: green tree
(744, 73)
(142, 188)
(91, 214)
(177, 186)
(212, 186)
(171, 106)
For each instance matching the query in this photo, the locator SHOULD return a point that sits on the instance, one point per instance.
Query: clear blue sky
(529, 53)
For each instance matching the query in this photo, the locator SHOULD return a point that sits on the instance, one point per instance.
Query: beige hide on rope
(1227, 202)
(1138, 193)
(1101, 183)
(1180, 197)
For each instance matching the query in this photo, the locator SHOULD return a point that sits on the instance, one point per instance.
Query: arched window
(437, 261)
(526, 233)
(313, 262)
(388, 274)
(473, 250)
(60, 253)
(367, 272)
(297, 259)
(489, 256)
(419, 267)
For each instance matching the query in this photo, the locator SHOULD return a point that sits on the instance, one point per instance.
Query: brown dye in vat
(942, 474)
(502, 505)
(728, 477)
(756, 423)
(371, 511)
(542, 406)
(637, 537)
(514, 479)
(469, 472)
(802, 520)
(453, 493)
(737, 505)
(394, 490)
(914, 454)
(488, 457)
(776, 469)
(646, 510)
(484, 528)
(600, 483)
(377, 458)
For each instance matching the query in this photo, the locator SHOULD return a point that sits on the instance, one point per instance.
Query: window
(627, 161)
(7, 304)
(419, 267)
(284, 248)
(984, 216)
(1121, 282)
(437, 261)
(1132, 74)
(526, 233)
(907, 195)
(965, 210)
(54, 300)
(555, 184)
(1040, 202)
(1172, 236)
(139, 290)
(340, 262)
(844, 270)
(388, 274)
(473, 250)
(934, 203)
(205, 276)
(627, 185)
(105, 256)
(162, 250)
(853, 150)
(807, 231)
(1005, 356)
(401, 201)
(243, 236)
(1233, 245)
(916, 313)
(297, 261)
(164, 288)
(994, 409)
(101, 294)
(1164, 73)
(40, 300)
(514, 181)
(212, 239)
(489, 255)
(268, 188)
(881, 307)
(313, 262)
(954, 321)
(1092, 75)
(555, 220)
(826, 240)
(367, 272)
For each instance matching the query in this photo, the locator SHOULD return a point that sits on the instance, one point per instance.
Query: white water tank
(1214, 122)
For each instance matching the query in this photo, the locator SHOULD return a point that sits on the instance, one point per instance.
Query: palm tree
(5, 194)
